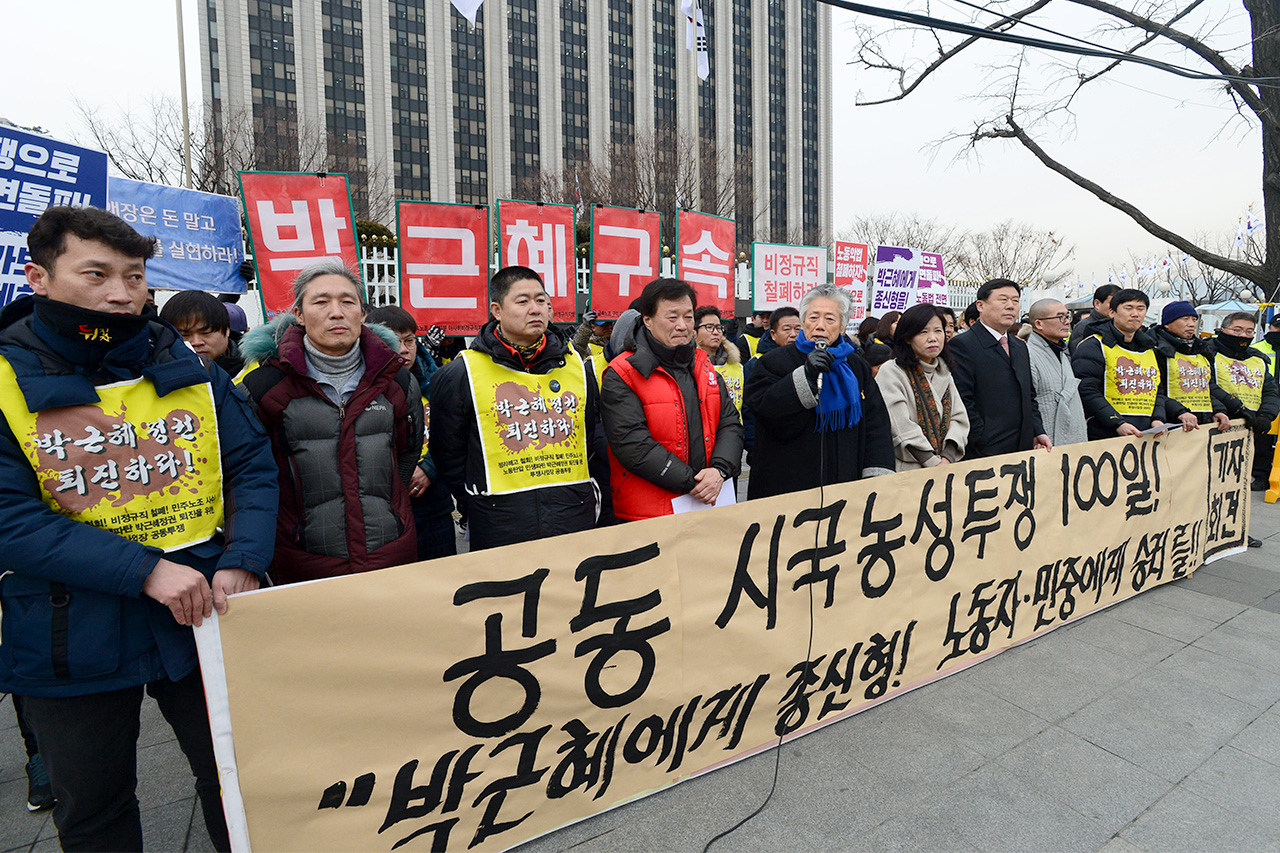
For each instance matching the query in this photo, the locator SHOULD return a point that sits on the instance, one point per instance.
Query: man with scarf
(1267, 441)
(511, 422)
(820, 418)
(1186, 375)
(672, 426)
(1243, 372)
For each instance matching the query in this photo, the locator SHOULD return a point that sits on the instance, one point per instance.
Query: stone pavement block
(1166, 621)
(164, 776)
(19, 828)
(1106, 631)
(1163, 722)
(197, 836)
(1230, 677)
(1271, 603)
(1184, 822)
(1176, 596)
(165, 827)
(996, 810)
(155, 729)
(1096, 783)
(1242, 783)
(1119, 845)
(1258, 622)
(976, 718)
(13, 755)
(1243, 646)
(1256, 571)
(910, 834)
(1225, 588)
(47, 845)
(1053, 679)
(1261, 738)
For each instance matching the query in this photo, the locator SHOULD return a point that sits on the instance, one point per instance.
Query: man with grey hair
(1057, 389)
(345, 420)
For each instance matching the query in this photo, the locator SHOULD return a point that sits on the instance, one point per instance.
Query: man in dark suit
(993, 373)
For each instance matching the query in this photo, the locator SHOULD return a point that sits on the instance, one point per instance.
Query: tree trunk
(1265, 16)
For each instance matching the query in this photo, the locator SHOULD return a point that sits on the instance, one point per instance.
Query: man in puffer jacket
(1186, 373)
(345, 420)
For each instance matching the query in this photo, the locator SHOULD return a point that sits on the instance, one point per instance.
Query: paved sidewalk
(1154, 725)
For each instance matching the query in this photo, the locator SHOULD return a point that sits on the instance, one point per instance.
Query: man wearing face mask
(671, 423)
(1242, 371)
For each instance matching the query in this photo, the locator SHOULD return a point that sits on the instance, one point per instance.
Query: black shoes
(1255, 543)
(39, 792)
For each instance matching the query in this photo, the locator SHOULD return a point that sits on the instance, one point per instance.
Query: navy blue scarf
(840, 405)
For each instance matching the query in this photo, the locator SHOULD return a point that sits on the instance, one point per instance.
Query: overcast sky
(1149, 137)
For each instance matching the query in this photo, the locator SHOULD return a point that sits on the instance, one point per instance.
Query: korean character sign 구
(704, 257)
(36, 173)
(781, 275)
(444, 267)
(541, 237)
(296, 219)
(624, 256)
(851, 274)
(200, 246)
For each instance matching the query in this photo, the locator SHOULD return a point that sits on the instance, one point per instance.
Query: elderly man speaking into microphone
(820, 418)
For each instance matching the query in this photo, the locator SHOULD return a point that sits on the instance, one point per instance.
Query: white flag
(695, 36)
(1251, 222)
(468, 9)
(1239, 236)
(1124, 275)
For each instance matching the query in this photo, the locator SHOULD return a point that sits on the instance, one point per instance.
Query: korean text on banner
(704, 257)
(200, 246)
(781, 275)
(897, 268)
(296, 219)
(36, 173)
(624, 256)
(559, 678)
(851, 274)
(444, 266)
(931, 283)
(541, 237)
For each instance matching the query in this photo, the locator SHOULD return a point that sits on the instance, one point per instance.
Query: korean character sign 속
(541, 237)
(624, 256)
(296, 219)
(704, 257)
(781, 274)
(444, 269)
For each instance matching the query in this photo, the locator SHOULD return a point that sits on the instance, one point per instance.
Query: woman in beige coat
(930, 424)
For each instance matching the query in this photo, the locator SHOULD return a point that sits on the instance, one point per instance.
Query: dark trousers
(28, 736)
(433, 517)
(90, 748)
(1264, 448)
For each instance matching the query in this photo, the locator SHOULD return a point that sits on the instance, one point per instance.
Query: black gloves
(819, 361)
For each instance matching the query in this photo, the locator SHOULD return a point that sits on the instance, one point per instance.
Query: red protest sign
(540, 236)
(444, 269)
(705, 257)
(296, 219)
(851, 274)
(624, 257)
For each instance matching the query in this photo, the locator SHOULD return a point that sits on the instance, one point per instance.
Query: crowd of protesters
(334, 440)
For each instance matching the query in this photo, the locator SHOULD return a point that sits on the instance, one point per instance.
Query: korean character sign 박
(296, 219)
(444, 265)
(798, 270)
(624, 256)
(541, 237)
(704, 257)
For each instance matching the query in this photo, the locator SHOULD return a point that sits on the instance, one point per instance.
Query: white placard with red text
(781, 275)
(704, 257)
(541, 237)
(851, 274)
(444, 267)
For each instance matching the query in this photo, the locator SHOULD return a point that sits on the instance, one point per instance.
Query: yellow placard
(1132, 379)
(1189, 382)
(1242, 379)
(481, 700)
(732, 375)
(532, 426)
(146, 467)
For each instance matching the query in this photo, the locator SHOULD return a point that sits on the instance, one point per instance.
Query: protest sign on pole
(541, 237)
(781, 274)
(624, 256)
(200, 246)
(851, 274)
(37, 172)
(558, 678)
(296, 219)
(897, 268)
(704, 257)
(444, 267)
(931, 283)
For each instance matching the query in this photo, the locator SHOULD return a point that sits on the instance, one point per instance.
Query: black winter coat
(495, 520)
(1167, 344)
(788, 455)
(1090, 366)
(1270, 405)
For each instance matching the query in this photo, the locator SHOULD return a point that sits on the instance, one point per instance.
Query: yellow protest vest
(598, 363)
(753, 344)
(533, 427)
(1131, 382)
(732, 376)
(147, 468)
(426, 427)
(1241, 378)
(1189, 381)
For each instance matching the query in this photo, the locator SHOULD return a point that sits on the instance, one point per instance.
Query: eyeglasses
(409, 341)
(1061, 318)
(711, 327)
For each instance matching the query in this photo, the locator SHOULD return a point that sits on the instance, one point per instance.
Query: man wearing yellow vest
(1245, 374)
(749, 341)
(1267, 441)
(1119, 372)
(1186, 374)
(137, 492)
(511, 422)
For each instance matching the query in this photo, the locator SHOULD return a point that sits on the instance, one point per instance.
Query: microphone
(821, 346)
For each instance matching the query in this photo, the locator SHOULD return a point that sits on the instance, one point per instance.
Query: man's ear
(36, 278)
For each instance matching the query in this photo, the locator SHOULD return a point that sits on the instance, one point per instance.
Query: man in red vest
(671, 423)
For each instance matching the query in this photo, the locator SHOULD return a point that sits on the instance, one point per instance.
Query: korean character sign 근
(624, 256)
(296, 219)
(444, 269)
(541, 237)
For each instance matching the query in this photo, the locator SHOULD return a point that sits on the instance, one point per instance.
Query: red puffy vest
(634, 497)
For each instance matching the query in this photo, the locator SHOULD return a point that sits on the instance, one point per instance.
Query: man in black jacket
(1186, 374)
(993, 374)
(1251, 393)
(511, 422)
(1098, 317)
